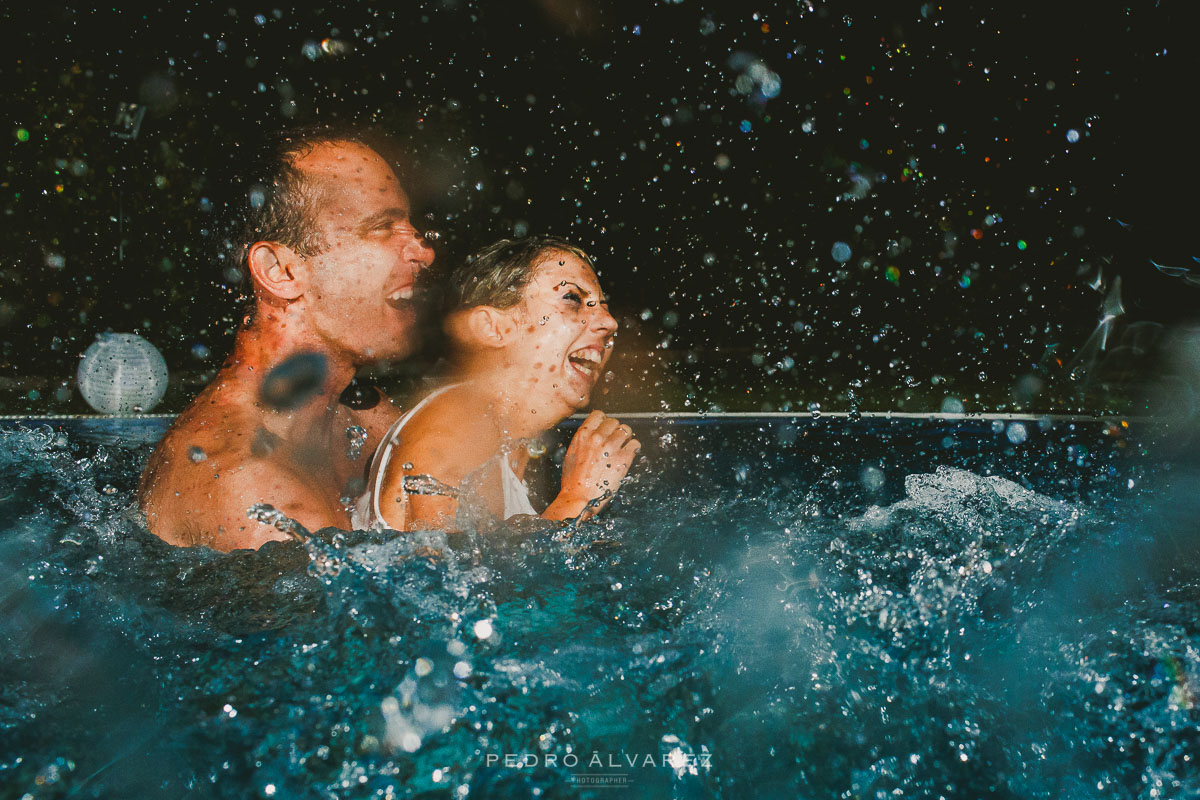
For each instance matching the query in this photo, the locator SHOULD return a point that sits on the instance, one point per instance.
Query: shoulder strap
(384, 452)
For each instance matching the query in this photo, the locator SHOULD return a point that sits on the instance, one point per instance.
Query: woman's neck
(521, 408)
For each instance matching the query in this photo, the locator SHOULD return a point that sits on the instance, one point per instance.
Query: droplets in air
(755, 80)
(1017, 433)
(871, 477)
(356, 436)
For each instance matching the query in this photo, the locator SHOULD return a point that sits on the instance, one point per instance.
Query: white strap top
(367, 513)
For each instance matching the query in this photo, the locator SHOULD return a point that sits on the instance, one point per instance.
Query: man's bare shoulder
(211, 467)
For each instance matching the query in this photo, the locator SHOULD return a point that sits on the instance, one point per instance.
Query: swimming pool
(774, 606)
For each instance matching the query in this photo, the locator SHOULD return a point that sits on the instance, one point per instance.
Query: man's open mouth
(401, 298)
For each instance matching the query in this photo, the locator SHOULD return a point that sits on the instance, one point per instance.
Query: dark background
(709, 154)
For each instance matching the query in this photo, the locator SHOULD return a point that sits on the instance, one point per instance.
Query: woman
(530, 333)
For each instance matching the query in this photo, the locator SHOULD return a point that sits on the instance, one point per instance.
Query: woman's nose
(604, 321)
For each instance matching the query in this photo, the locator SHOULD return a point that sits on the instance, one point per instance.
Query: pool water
(771, 607)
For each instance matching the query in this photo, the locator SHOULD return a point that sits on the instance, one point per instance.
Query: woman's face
(565, 333)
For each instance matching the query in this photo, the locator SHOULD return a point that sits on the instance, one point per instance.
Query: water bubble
(1017, 433)
(952, 405)
(357, 436)
(872, 478)
(670, 319)
(55, 261)
(200, 351)
(333, 47)
(483, 629)
(311, 50)
(1072, 136)
(120, 373)
(196, 454)
(841, 252)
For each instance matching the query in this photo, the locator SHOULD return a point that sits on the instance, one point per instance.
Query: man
(332, 257)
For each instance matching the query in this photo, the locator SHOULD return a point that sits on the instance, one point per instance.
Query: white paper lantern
(122, 373)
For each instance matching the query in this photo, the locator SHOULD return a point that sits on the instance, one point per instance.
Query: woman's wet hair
(498, 274)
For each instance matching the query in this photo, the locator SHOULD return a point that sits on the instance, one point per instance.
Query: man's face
(360, 293)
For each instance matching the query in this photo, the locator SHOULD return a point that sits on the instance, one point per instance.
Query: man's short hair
(281, 201)
(498, 274)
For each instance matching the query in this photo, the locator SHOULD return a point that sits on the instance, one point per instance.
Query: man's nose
(420, 250)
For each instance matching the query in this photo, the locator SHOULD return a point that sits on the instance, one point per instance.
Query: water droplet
(1017, 433)
(872, 478)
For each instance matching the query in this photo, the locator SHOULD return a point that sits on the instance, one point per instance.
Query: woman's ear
(273, 268)
(488, 326)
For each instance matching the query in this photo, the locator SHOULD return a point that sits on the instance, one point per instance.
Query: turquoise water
(810, 608)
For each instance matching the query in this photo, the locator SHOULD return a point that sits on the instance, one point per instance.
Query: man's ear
(273, 268)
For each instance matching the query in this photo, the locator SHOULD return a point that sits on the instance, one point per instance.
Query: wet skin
(350, 303)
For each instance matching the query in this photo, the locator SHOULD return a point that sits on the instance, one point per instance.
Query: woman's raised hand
(597, 459)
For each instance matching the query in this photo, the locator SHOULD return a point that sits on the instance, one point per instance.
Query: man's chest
(354, 438)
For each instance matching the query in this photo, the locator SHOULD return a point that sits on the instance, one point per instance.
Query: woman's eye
(573, 297)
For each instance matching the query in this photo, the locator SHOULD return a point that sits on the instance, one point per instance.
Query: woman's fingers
(593, 421)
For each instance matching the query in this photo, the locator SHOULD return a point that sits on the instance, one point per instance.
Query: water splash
(972, 621)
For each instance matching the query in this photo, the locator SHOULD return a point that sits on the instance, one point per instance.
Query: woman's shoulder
(451, 421)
